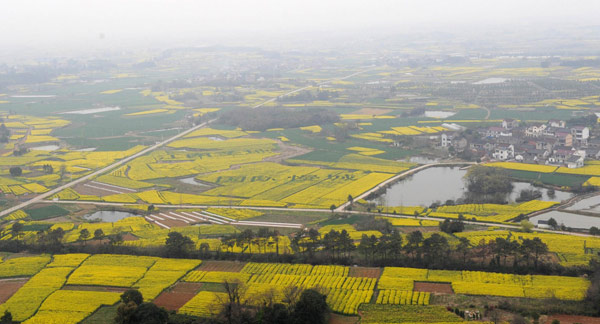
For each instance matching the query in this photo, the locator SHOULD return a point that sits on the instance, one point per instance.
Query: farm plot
(8, 287)
(489, 283)
(69, 306)
(491, 212)
(304, 186)
(177, 296)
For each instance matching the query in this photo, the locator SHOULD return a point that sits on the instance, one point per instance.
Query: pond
(591, 204)
(441, 184)
(91, 111)
(569, 219)
(491, 81)
(108, 215)
(439, 114)
(193, 181)
(45, 148)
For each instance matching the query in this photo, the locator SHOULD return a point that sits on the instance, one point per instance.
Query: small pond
(441, 184)
(108, 215)
(192, 181)
(569, 219)
(45, 148)
(439, 114)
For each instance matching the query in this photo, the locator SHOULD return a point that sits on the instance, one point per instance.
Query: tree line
(415, 249)
(264, 118)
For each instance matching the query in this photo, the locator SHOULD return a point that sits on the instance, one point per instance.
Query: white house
(510, 123)
(557, 123)
(504, 152)
(535, 130)
(446, 140)
(580, 133)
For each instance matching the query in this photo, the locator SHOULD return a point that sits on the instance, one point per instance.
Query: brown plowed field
(433, 287)
(9, 287)
(341, 319)
(178, 295)
(227, 266)
(364, 272)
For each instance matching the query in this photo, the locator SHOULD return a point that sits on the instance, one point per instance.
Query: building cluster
(551, 143)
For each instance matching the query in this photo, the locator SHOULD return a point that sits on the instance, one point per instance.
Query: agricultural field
(60, 285)
(318, 131)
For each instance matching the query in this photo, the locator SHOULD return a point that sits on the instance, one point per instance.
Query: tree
(463, 247)
(177, 244)
(133, 310)
(98, 234)
(132, 295)
(149, 313)
(84, 234)
(594, 230)
(16, 229)
(451, 226)
(414, 241)
(487, 183)
(116, 239)
(311, 308)
(48, 169)
(276, 314)
(233, 308)
(552, 223)
(526, 226)
(7, 317)
(350, 199)
(16, 171)
(332, 208)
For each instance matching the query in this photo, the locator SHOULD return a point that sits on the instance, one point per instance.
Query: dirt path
(487, 116)
(287, 152)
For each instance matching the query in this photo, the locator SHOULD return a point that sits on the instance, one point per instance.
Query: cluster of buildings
(551, 143)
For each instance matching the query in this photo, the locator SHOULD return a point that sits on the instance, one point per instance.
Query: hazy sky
(56, 23)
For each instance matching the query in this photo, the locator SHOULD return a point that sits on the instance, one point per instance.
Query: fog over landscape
(299, 162)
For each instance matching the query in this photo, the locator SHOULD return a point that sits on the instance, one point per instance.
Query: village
(551, 143)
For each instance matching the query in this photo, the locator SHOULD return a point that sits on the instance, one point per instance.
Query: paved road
(398, 176)
(45, 195)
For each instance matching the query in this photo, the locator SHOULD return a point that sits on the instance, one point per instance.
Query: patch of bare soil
(341, 319)
(10, 286)
(434, 287)
(226, 266)
(177, 295)
(287, 152)
(364, 272)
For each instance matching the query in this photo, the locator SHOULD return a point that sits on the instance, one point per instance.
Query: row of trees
(434, 251)
(335, 247)
(264, 118)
